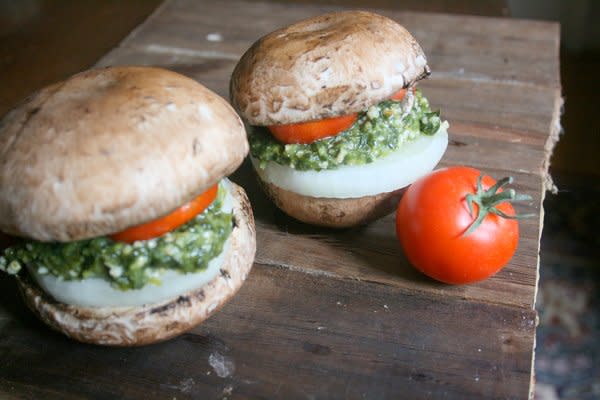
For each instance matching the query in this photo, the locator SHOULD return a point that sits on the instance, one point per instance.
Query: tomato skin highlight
(169, 222)
(433, 216)
(308, 132)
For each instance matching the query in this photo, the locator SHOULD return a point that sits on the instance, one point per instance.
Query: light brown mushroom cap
(325, 66)
(111, 148)
(134, 326)
(332, 212)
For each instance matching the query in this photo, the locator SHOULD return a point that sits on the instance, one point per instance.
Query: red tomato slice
(399, 95)
(165, 224)
(308, 132)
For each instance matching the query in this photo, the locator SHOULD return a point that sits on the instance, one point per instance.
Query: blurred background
(42, 41)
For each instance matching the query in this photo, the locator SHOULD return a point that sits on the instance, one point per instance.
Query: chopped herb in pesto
(186, 249)
(378, 131)
(430, 123)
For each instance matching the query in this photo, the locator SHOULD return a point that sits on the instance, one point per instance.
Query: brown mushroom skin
(332, 212)
(325, 66)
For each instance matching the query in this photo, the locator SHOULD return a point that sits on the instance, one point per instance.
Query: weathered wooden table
(338, 314)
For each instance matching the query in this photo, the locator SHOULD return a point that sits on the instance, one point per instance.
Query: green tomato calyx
(487, 200)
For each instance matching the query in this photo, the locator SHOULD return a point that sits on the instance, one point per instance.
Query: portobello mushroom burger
(115, 182)
(336, 126)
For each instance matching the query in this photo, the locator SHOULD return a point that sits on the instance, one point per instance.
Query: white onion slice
(395, 171)
(96, 292)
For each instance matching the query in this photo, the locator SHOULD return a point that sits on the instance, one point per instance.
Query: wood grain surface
(293, 335)
(339, 314)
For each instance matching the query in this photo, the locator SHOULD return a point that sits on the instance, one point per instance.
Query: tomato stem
(487, 200)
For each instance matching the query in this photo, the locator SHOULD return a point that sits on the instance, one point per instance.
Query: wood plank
(490, 8)
(293, 335)
(467, 146)
(501, 49)
(465, 47)
(525, 109)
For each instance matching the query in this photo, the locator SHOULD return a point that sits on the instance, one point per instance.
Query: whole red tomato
(440, 235)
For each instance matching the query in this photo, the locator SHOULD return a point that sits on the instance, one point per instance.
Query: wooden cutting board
(340, 314)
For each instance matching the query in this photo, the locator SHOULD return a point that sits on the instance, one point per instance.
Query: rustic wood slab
(338, 314)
